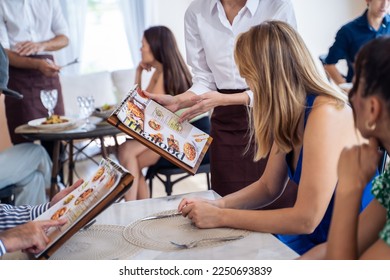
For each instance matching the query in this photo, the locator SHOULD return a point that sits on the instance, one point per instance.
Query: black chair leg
(168, 185)
(151, 186)
(208, 180)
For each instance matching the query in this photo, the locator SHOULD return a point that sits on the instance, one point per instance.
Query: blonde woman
(303, 124)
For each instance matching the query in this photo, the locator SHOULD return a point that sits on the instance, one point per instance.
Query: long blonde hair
(280, 71)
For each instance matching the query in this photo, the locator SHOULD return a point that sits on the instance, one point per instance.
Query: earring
(370, 126)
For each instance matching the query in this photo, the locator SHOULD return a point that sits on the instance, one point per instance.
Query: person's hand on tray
(202, 212)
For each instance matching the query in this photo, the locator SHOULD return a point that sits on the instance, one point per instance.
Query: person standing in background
(29, 31)
(211, 28)
(374, 23)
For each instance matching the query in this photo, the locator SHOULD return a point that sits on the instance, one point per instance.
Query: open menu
(107, 185)
(159, 129)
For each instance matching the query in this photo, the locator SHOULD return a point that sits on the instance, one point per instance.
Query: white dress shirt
(30, 20)
(210, 39)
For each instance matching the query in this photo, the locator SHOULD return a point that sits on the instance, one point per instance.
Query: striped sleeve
(12, 216)
(2, 249)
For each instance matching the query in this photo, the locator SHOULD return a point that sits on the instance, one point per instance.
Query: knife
(161, 216)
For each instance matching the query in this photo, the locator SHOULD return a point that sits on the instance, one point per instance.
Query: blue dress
(301, 243)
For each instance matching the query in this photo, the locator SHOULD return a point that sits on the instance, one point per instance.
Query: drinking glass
(49, 100)
(87, 106)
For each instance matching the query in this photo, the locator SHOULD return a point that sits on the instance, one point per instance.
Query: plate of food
(104, 111)
(53, 122)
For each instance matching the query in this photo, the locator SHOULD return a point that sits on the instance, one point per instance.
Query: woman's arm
(318, 180)
(356, 167)
(208, 214)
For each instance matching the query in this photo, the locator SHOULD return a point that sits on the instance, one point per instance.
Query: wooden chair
(7, 195)
(168, 183)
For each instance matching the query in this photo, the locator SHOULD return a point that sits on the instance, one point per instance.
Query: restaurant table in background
(101, 130)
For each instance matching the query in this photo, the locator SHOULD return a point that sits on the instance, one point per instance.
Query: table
(254, 246)
(101, 130)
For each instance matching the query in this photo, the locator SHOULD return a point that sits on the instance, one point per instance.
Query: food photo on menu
(160, 129)
(83, 199)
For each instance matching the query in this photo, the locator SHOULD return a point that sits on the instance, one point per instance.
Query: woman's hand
(144, 66)
(357, 165)
(65, 192)
(203, 214)
(197, 209)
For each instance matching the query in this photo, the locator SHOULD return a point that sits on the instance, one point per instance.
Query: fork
(195, 243)
(76, 60)
(161, 216)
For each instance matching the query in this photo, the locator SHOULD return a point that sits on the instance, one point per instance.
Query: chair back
(7, 195)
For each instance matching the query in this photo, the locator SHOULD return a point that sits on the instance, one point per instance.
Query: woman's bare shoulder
(330, 105)
(330, 113)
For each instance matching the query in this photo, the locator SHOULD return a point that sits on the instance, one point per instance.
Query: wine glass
(87, 106)
(49, 100)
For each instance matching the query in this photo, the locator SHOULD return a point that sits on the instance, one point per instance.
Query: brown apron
(29, 82)
(231, 168)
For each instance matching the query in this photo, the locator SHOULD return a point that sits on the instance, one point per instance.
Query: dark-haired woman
(171, 76)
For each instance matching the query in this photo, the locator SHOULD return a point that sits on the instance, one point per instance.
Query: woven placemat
(156, 234)
(98, 242)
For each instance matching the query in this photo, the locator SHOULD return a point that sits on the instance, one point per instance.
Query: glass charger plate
(157, 234)
(38, 123)
(99, 242)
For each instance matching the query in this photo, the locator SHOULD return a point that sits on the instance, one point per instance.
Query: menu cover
(159, 129)
(107, 185)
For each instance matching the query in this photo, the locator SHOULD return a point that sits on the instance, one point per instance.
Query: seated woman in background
(364, 236)
(303, 124)
(171, 76)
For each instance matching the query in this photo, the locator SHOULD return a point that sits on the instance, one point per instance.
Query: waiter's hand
(167, 100)
(27, 48)
(47, 67)
(203, 103)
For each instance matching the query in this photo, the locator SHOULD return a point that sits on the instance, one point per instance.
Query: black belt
(231, 91)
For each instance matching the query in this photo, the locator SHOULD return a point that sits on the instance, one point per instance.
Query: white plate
(38, 123)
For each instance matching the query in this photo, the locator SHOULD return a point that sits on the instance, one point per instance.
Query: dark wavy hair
(177, 77)
(373, 65)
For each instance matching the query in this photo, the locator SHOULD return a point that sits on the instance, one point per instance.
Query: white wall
(171, 14)
(319, 20)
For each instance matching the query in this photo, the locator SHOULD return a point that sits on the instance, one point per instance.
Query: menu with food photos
(107, 185)
(159, 129)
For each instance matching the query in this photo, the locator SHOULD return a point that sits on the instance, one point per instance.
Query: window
(105, 44)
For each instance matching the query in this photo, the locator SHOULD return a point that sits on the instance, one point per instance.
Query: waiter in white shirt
(29, 31)
(211, 28)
